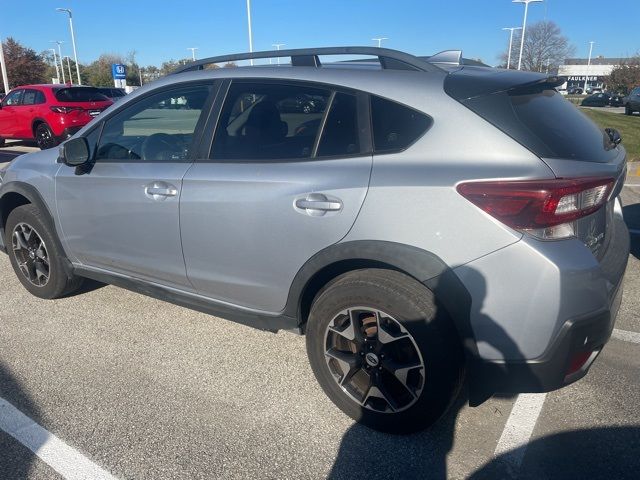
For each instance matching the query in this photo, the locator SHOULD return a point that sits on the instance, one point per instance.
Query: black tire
(45, 138)
(58, 284)
(2, 141)
(628, 111)
(414, 308)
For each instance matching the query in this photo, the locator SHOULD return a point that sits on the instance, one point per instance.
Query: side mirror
(614, 135)
(75, 152)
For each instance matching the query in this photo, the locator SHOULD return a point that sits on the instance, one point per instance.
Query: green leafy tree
(625, 77)
(99, 72)
(24, 65)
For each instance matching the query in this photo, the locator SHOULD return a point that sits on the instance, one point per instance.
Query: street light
(524, 26)
(193, 52)
(379, 40)
(59, 42)
(250, 33)
(278, 45)
(586, 77)
(511, 29)
(55, 62)
(69, 67)
(73, 42)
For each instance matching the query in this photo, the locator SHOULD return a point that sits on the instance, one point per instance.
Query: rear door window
(269, 121)
(395, 126)
(32, 97)
(340, 136)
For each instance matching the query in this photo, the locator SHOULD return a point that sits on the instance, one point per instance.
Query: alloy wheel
(31, 254)
(44, 137)
(374, 359)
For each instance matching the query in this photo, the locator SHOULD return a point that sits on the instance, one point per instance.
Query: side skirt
(251, 318)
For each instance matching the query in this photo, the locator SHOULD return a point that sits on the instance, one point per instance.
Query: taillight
(65, 109)
(544, 208)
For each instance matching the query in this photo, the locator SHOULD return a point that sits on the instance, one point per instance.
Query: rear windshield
(79, 94)
(546, 123)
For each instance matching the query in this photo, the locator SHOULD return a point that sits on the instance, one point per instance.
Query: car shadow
(16, 460)
(605, 453)
(369, 454)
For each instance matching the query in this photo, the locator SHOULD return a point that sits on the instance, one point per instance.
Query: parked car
(410, 228)
(603, 99)
(48, 114)
(112, 93)
(632, 102)
(575, 91)
(592, 90)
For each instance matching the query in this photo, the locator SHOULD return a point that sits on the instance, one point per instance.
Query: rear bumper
(576, 341)
(587, 334)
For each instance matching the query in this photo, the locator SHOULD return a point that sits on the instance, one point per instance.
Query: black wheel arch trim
(33, 196)
(424, 266)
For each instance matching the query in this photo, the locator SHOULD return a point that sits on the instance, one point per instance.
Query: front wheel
(35, 256)
(628, 111)
(383, 351)
(44, 137)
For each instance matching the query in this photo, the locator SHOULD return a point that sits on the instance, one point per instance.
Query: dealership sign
(582, 78)
(119, 74)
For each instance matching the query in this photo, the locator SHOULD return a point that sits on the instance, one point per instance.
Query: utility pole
(278, 45)
(73, 42)
(193, 52)
(55, 62)
(524, 26)
(511, 29)
(59, 42)
(379, 40)
(586, 77)
(5, 78)
(250, 32)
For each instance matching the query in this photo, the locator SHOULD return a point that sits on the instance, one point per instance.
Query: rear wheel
(44, 137)
(383, 351)
(628, 111)
(35, 256)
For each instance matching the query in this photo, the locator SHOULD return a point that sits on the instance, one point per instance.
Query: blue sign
(118, 71)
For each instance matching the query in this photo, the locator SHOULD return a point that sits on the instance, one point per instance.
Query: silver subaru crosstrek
(426, 222)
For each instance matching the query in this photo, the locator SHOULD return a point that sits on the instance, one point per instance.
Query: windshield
(79, 94)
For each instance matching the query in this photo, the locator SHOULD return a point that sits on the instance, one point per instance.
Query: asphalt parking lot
(125, 386)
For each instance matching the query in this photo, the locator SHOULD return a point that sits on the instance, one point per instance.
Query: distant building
(576, 71)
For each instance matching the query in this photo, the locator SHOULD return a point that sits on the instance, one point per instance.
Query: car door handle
(318, 205)
(160, 190)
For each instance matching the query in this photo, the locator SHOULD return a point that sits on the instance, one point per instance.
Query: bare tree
(545, 48)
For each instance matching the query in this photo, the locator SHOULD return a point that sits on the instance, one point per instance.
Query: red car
(48, 114)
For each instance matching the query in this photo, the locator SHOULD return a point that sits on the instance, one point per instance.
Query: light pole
(524, 26)
(55, 62)
(69, 67)
(64, 80)
(511, 29)
(278, 45)
(586, 77)
(73, 42)
(193, 52)
(3, 65)
(379, 40)
(250, 33)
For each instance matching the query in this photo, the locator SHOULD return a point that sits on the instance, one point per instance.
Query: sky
(162, 30)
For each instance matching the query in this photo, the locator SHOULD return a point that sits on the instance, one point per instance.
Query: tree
(99, 72)
(625, 77)
(545, 48)
(24, 65)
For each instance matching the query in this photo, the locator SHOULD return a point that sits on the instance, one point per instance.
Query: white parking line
(64, 459)
(626, 335)
(517, 432)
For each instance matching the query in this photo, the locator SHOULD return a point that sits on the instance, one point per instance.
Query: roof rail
(308, 57)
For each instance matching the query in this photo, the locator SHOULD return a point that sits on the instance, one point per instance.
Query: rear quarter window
(395, 126)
